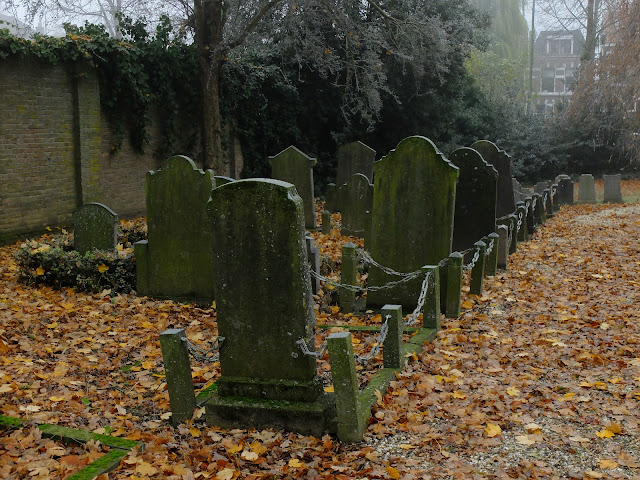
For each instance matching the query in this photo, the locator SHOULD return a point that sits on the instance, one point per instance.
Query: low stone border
(108, 462)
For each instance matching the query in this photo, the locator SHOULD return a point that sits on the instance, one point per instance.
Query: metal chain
(533, 203)
(510, 237)
(519, 220)
(201, 354)
(489, 249)
(367, 258)
(474, 260)
(372, 288)
(306, 351)
(375, 350)
(553, 191)
(421, 299)
(544, 198)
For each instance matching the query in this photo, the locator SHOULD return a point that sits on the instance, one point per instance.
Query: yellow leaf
(513, 391)
(335, 309)
(39, 271)
(6, 388)
(467, 305)
(607, 464)
(568, 396)
(52, 325)
(195, 432)
(532, 428)
(48, 229)
(146, 324)
(225, 474)
(233, 448)
(329, 389)
(492, 430)
(605, 434)
(258, 448)
(247, 455)
(119, 247)
(406, 446)
(295, 463)
(393, 473)
(102, 268)
(56, 398)
(458, 394)
(146, 469)
(615, 428)
(615, 380)
(525, 440)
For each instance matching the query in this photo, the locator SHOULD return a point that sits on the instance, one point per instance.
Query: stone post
(454, 285)
(141, 252)
(314, 262)
(477, 272)
(513, 222)
(348, 277)
(392, 347)
(431, 313)
(503, 246)
(326, 222)
(492, 258)
(539, 208)
(531, 223)
(554, 197)
(548, 205)
(521, 210)
(368, 229)
(345, 385)
(177, 366)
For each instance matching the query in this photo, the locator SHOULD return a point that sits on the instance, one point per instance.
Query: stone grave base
(308, 418)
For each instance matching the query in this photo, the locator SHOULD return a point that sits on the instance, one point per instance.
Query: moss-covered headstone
(476, 196)
(355, 157)
(293, 166)
(95, 226)
(412, 224)
(264, 310)
(356, 198)
(502, 163)
(176, 262)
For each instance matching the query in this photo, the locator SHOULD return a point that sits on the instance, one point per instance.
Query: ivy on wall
(138, 73)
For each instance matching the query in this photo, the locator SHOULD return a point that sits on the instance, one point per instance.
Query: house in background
(555, 60)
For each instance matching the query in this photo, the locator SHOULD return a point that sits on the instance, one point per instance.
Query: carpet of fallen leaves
(538, 378)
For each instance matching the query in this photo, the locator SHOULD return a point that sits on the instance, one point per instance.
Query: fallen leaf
(492, 430)
(525, 440)
(393, 473)
(607, 464)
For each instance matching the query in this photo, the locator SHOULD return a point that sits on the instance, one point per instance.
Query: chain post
(368, 228)
(503, 246)
(326, 222)
(513, 234)
(431, 312)
(347, 297)
(477, 272)
(555, 199)
(492, 258)
(392, 347)
(521, 210)
(453, 285)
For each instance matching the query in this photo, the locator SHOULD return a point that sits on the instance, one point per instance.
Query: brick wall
(55, 149)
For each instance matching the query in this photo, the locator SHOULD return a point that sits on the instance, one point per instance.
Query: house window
(548, 79)
(558, 46)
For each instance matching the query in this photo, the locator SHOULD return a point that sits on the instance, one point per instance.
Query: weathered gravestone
(331, 202)
(176, 261)
(264, 309)
(502, 163)
(586, 189)
(355, 157)
(222, 180)
(517, 190)
(293, 166)
(540, 187)
(356, 198)
(95, 226)
(476, 195)
(565, 191)
(612, 189)
(412, 218)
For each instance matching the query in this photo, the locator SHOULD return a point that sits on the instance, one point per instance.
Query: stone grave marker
(540, 187)
(517, 191)
(565, 191)
(502, 163)
(612, 189)
(476, 196)
(222, 180)
(331, 198)
(95, 226)
(412, 219)
(586, 189)
(264, 309)
(176, 261)
(356, 198)
(355, 157)
(293, 166)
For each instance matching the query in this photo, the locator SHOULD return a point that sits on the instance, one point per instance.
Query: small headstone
(612, 188)
(355, 157)
(356, 198)
(502, 163)
(517, 190)
(413, 207)
(177, 262)
(476, 196)
(95, 226)
(586, 189)
(565, 191)
(264, 309)
(331, 198)
(222, 180)
(293, 166)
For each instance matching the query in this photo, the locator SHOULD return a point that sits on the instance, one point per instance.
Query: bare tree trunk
(589, 52)
(208, 36)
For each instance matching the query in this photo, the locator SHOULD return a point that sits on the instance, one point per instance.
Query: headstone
(176, 261)
(355, 157)
(356, 198)
(565, 191)
(264, 309)
(586, 189)
(541, 187)
(517, 190)
(95, 226)
(612, 189)
(222, 180)
(293, 166)
(331, 198)
(502, 163)
(412, 225)
(476, 196)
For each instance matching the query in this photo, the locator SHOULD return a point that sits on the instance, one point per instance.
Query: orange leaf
(393, 473)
